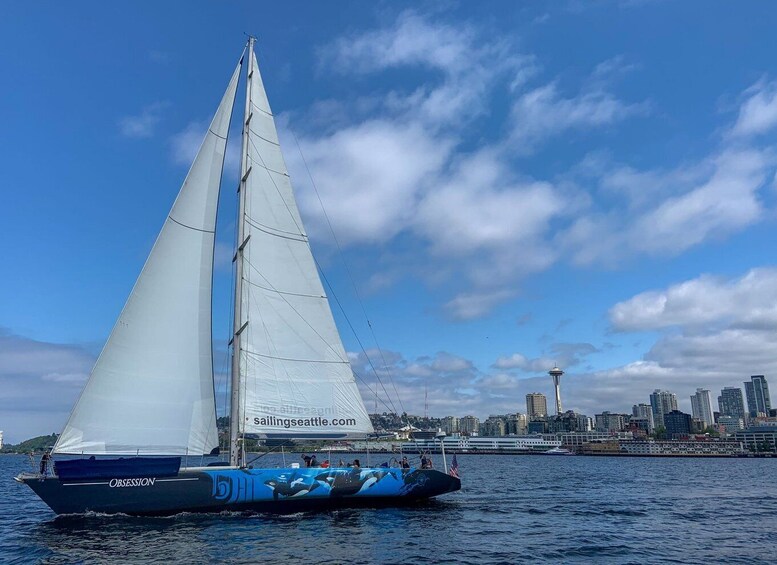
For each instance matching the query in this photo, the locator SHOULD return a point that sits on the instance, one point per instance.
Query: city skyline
(511, 186)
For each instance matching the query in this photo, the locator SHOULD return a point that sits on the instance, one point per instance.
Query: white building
(701, 407)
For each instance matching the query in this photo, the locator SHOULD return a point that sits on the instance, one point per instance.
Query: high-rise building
(469, 425)
(662, 402)
(450, 425)
(536, 405)
(494, 426)
(644, 411)
(609, 422)
(731, 424)
(757, 390)
(585, 423)
(678, 424)
(516, 424)
(701, 406)
(731, 403)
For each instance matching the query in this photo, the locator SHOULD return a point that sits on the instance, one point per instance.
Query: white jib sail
(296, 380)
(151, 390)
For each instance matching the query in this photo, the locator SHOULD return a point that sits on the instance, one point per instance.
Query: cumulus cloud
(543, 113)
(758, 113)
(749, 301)
(143, 124)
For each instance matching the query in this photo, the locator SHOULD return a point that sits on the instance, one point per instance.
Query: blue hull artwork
(229, 489)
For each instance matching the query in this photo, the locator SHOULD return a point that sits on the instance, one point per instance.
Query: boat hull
(229, 489)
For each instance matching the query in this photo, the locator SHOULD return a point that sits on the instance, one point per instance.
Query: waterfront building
(639, 426)
(757, 391)
(538, 426)
(450, 425)
(731, 424)
(566, 422)
(662, 402)
(469, 425)
(516, 424)
(759, 438)
(577, 439)
(536, 405)
(701, 406)
(678, 424)
(644, 411)
(585, 423)
(712, 448)
(608, 422)
(732, 403)
(494, 426)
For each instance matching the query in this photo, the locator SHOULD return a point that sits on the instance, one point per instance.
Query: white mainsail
(151, 390)
(295, 379)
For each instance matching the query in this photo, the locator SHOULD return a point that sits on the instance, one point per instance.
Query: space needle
(555, 374)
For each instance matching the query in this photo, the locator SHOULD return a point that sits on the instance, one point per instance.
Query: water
(512, 509)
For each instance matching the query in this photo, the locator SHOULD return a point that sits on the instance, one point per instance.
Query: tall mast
(235, 448)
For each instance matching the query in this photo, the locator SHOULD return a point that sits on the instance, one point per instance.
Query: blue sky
(513, 184)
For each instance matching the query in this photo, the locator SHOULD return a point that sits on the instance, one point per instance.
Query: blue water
(512, 509)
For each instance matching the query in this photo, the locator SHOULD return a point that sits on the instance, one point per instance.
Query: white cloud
(758, 113)
(664, 213)
(39, 383)
(543, 113)
(749, 301)
(143, 124)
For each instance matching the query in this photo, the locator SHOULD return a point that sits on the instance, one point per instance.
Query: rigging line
(348, 271)
(299, 228)
(252, 283)
(371, 391)
(294, 309)
(353, 330)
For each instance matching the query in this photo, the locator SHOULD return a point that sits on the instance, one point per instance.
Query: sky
(511, 185)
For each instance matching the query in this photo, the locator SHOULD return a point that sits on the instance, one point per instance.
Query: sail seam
(303, 239)
(284, 292)
(251, 221)
(217, 135)
(190, 227)
(268, 169)
(264, 138)
(246, 351)
(262, 109)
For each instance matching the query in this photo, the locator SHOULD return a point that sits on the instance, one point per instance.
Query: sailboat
(149, 402)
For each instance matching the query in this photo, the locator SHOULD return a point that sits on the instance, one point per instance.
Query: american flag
(454, 470)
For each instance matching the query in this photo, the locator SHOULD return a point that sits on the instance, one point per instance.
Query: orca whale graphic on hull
(347, 482)
(292, 485)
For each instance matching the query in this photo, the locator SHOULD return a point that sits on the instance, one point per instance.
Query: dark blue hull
(230, 489)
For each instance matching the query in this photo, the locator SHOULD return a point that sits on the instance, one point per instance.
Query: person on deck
(44, 463)
(426, 462)
(307, 460)
(356, 464)
(405, 464)
(313, 461)
(325, 464)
